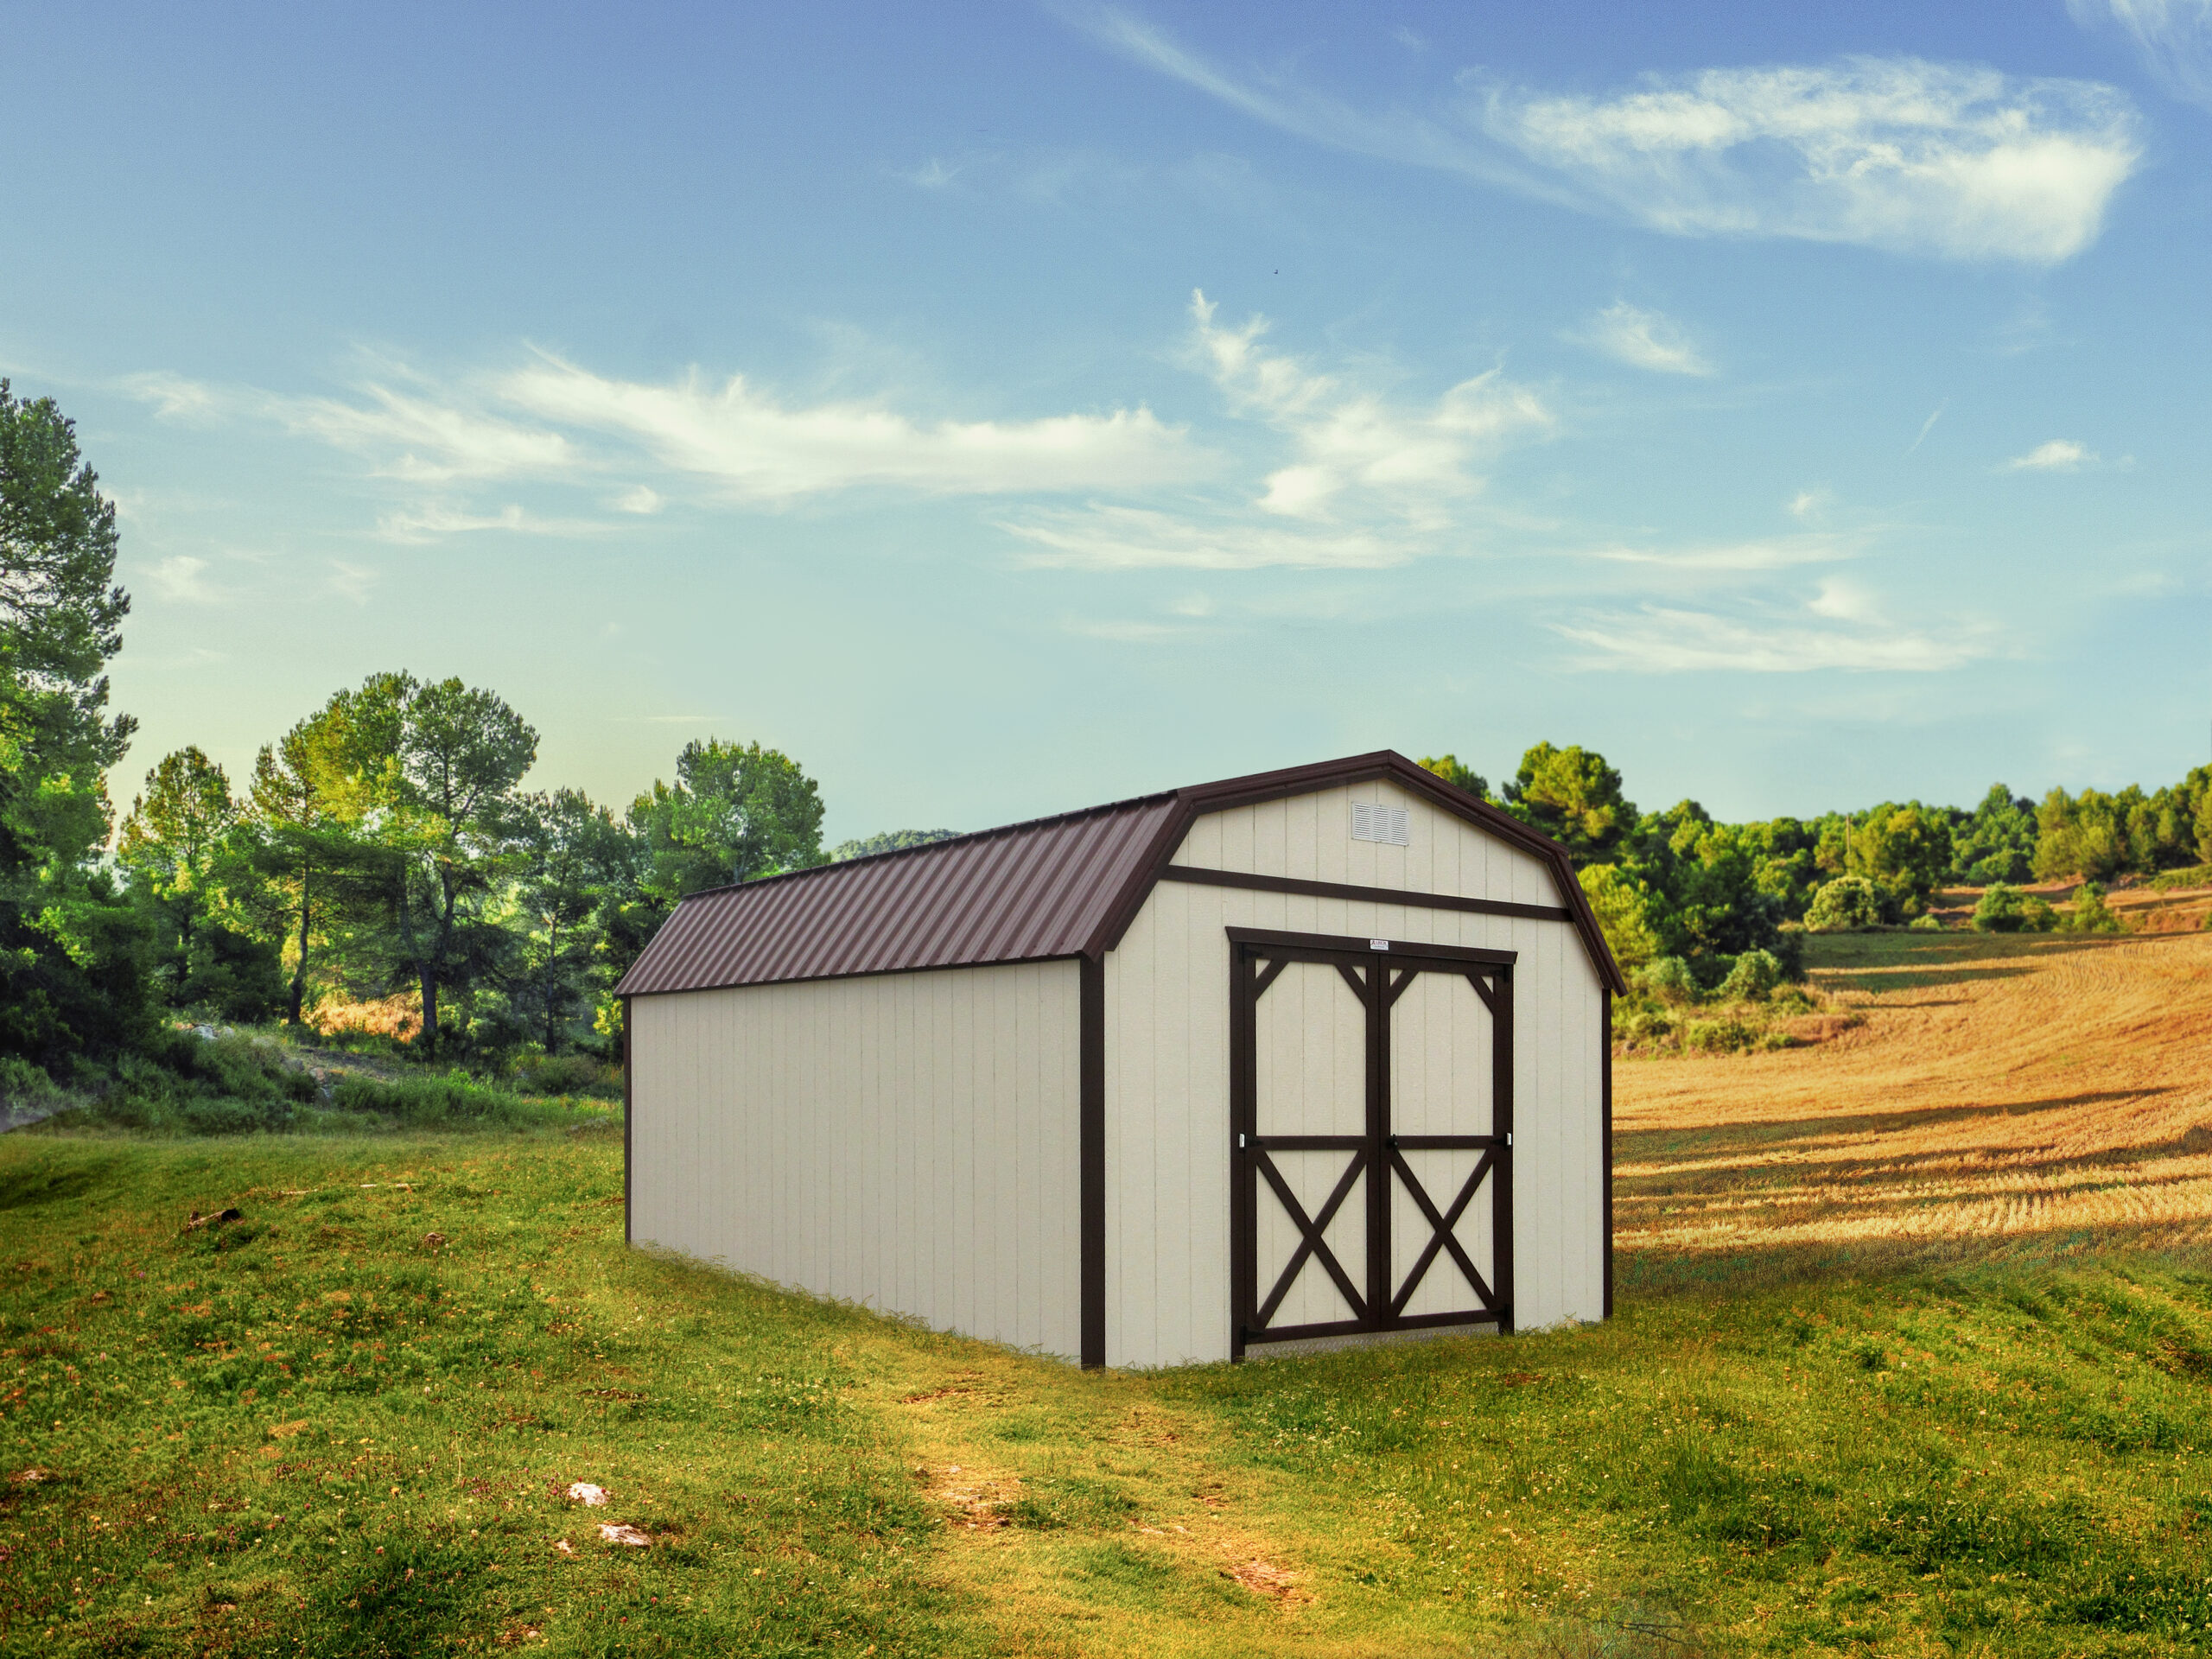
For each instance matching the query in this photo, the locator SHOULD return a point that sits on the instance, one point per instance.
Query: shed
(1306, 1057)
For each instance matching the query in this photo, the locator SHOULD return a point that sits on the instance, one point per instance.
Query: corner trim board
(1605, 1126)
(629, 1120)
(1201, 876)
(1090, 998)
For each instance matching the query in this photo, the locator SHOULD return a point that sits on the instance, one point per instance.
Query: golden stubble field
(2005, 1096)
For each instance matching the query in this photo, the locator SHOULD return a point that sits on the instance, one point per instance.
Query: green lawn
(342, 1424)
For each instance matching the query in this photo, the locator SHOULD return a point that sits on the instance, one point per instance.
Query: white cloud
(1643, 340)
(643, 500)
(2173, 36)
(1369, 482)
(1957, 160)
(1350, 440)
(436, 521)
(755, 448)
(1927, 426)
(1660, 640)
(2059, 456)
(1809, 505)
(1769, 553)
(180, 579)
(174, 397)
(350, 582)
(1103, 536)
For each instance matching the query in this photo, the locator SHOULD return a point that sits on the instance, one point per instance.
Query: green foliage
(1573, 797)
(2090, 914)
(734, 812)
(1997, 842)
(1929, 922)
(183, 1083)
(1447, 767)
(2004, 908)
(73, 957)
(1845, 904)
(455, 1101)
(1753, 977)
(1622, 905)
(1668, 979)
(888, 841)
(1904, 850)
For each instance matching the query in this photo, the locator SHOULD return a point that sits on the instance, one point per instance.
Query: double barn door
(1371, 1121)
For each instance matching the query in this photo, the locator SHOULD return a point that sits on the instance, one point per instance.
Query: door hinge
(1509, 1137)
(1240, 1140)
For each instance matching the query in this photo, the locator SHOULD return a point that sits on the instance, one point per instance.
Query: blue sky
(1007, 408)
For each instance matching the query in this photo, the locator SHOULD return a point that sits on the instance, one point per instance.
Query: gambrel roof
(1051, 888)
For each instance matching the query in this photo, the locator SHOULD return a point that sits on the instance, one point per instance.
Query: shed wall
(1168, 1241)
(906, 1140)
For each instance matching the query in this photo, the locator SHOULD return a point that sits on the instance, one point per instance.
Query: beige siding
(906, 1140)
(1167, 1057)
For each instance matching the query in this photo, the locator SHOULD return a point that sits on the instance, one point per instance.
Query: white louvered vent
(1391, 825)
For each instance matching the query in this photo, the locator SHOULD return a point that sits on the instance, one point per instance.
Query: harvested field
(2006, 1096)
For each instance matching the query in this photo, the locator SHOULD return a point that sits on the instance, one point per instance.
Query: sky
(1006, 407)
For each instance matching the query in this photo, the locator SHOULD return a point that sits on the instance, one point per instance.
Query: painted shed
(1310, 1056)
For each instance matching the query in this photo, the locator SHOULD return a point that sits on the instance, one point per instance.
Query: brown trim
(1091, 1134)
(629, 1119)
(1606, 1130)
(1365, 948)
(1412, 901)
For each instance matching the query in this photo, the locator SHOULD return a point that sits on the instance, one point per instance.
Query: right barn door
(1448, 1147)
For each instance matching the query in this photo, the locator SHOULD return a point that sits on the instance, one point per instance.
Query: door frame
(1366, 965)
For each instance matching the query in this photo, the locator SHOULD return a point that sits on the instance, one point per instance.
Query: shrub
(569, 1074)
(1929, 923)
(2003, 908)
(1720, 1036)
(1669, 980)
(1753, 977)
(1845, 904)
(2090, 914)
(455, 1099)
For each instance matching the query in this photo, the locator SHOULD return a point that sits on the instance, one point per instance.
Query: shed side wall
(1167, 1057)
(907, 1142)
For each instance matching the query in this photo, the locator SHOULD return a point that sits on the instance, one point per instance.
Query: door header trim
(1395, 948)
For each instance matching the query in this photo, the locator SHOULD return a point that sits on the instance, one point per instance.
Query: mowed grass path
(341, 1424)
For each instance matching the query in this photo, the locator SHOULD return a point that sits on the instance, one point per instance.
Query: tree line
(384, 846)
(1680, 884)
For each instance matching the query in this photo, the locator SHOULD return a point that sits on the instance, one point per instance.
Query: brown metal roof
(1052, 887)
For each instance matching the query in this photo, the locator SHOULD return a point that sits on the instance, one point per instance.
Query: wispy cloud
(2173, 36)
(1643, 340)
(2059, 456)
(350, 581)
(1370, 481)
(1769, 553)
(1927, 426)
(182, 579)
(435, 522)
(1837, 628)
(755, 447)
(1956, 161)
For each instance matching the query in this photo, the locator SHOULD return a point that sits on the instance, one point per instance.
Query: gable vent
(1391, 825)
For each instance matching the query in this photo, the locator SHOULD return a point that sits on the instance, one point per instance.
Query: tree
(887, 841)
(455, 826)
(1573, 797)
(1845, 906)
(1624, 908)
(733, 813)
(1997, 840)
(171, 845)
(72, 955)
(574, 869)
(1905, 850)
(1447, 767)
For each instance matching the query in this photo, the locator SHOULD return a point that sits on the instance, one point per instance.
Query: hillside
(2008, 1096)
(1904, 1363)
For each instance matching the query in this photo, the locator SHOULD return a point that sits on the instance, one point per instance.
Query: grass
(343, 1422)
